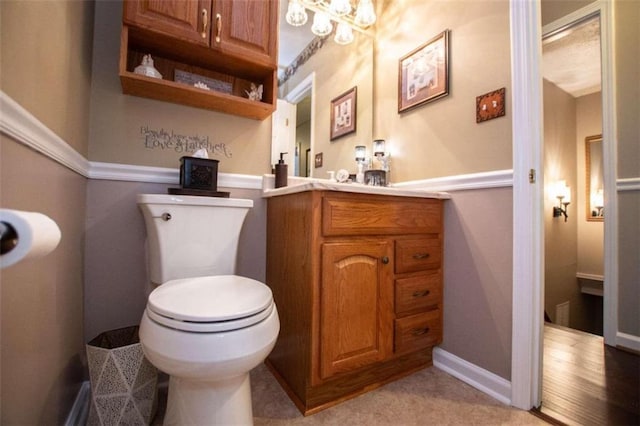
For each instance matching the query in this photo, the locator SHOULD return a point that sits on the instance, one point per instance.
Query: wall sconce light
(563, 194)
(597, 201)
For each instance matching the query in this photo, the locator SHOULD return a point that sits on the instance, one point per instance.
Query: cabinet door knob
(218, 27)
(385, 260)
(205, 23)
(422, 293)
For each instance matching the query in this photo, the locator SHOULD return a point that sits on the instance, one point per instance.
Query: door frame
(302, 90)
(528, 223)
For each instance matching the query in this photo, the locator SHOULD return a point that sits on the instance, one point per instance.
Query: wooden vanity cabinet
(357, 280)
(232, 41)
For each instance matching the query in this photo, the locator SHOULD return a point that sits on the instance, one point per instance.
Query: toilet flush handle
(164, 216)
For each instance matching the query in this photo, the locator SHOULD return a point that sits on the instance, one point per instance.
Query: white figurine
(146, 68)
(256, 92)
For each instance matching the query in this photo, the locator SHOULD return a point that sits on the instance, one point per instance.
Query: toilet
(203, 325)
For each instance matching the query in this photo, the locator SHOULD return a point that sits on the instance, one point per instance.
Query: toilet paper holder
(8, 238)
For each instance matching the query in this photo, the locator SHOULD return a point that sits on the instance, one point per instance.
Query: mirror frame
(589, 141)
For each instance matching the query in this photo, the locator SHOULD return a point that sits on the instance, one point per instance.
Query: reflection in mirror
(328, 70)
(594, 178)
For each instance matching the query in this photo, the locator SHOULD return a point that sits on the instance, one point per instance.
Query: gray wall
(477, 278)
(116, 278)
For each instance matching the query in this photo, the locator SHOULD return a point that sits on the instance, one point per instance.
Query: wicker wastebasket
(123, 381)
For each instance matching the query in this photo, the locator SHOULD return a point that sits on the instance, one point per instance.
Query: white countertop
(309, 184)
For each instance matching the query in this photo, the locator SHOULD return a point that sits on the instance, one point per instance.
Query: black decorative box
(199, 173)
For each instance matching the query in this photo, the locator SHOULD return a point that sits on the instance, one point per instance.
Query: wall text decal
(165, 140)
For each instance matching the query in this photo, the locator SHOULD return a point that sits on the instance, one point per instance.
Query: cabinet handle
(419, 256)
(218, 27)
(385, 260)
(420, 331)
(422, 293)
(205, 23)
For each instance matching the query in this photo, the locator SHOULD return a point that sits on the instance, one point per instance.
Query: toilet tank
(191, 236)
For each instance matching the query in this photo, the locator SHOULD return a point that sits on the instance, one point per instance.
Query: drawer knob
(385, 260)
(420, 331)
(419, 256)
(422, 293)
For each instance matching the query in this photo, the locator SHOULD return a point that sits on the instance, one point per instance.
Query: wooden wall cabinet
(232, 41)
(357, 280)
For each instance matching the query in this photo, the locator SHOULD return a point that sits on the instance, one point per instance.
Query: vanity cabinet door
(356, 305)
(186, 20)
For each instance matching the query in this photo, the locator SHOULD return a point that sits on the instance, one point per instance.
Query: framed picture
(423, 74)
(343, 114)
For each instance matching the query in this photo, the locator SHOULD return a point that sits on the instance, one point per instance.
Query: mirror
(594, 178)
(328, 71)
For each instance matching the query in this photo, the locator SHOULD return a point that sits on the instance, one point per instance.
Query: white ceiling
(571, 58)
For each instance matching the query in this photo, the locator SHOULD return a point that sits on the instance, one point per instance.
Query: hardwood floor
(586, 382)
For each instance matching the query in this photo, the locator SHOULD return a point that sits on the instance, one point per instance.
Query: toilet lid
(214, 303)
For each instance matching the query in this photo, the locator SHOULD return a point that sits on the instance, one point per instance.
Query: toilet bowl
(207, 331)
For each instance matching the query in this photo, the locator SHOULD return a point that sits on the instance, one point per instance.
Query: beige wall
(46, 63)
(442, 138)
(115, 263)
(590, 234)
(46, 68)
(117, 119)
(561, 238)
(553, 10)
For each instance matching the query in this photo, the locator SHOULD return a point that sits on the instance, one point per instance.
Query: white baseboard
(80, 410)
(481, 379)
(628, 341)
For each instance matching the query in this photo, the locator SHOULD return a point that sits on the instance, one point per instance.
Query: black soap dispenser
(281, 172)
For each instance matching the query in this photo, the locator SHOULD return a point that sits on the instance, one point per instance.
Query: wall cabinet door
(356, 305)
(247, 28)
(186, 20)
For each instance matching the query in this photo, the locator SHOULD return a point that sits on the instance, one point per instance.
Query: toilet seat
(210, 304)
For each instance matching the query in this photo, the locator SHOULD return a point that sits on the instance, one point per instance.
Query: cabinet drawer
(379, 215)
(417, 254)
(418, 331)
(417, 293)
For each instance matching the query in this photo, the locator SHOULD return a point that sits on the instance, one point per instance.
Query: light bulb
(296, 13)
(344, 34)
(365, 15)
(340, 7)
(321, 24)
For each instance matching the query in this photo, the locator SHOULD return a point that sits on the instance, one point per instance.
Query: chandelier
(326, 12)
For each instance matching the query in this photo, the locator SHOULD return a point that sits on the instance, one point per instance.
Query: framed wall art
(343, 114)
(423, 74)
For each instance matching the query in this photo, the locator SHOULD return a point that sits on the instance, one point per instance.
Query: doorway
(300, 118)
(529, 193)
(574, 239)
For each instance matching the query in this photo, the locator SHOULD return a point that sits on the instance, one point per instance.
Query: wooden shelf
(171, 55)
